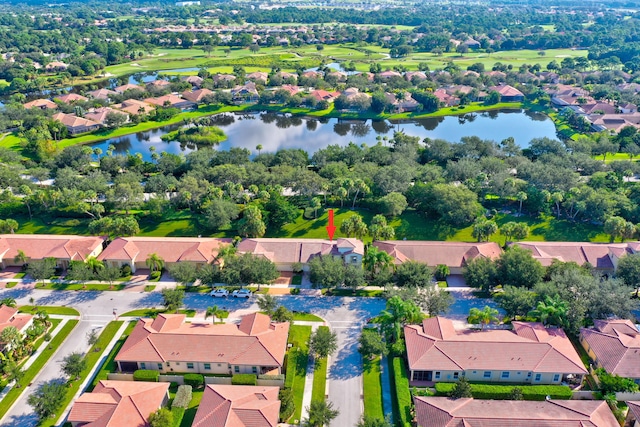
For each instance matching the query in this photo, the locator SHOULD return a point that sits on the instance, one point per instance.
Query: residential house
(291, 89)
(599, 108)
(102, 94)
(238, 406)
(40, 246)
(195, 81)
(404, 103)
(471, 43)
(70, 98)
(133, 107)
(99, 115)
(56, 66)
(287, 252)
(446, 99)
(388, 75)
(286, 76)
(338, 75)
(169, 344)
(613, 123)
(75, 124)
(219, 78)
(467, 412)
(614, 345)
(508, 93)
(312, 74)
(633, 416)
(454, 255)
(159, 83)
(119, 403)
(42, 104)
(197, 95)
(173, 101)
(245, 93)
(258, 77)
(415, 75)
(134, 251)
(323, 95)
(9, 316)
(122, 89)
(497, 75)
(529, 353)
(601, 256)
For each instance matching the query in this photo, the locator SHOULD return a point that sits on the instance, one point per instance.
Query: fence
(207, 380)
(621, 396)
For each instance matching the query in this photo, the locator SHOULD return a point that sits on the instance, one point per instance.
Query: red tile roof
(72, 121)
(506, 90)
(9, 316)
(99, 115)
(71, 97)
(435, 345)
(196, 95)
(128, 86)
(170, 249)
(445, 412)
(40, 246)
(298, 250)
(41, 103)
(616, 344)
(254, 341)
(118, 404)
(102, 93)
(452, 254)
(238, 406)
(598, 255)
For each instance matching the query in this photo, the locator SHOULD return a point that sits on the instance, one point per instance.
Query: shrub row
(178, 414)
(194, 380)
(146, 375)
(183, 397)
(403, 395)
(271, 377)
(503, 392)
(244, 379)
(287, 405)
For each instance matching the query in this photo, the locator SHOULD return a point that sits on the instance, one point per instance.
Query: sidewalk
(308, 380)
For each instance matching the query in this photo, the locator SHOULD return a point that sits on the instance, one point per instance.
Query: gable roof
(40, 103)
(71, 97)
(170, 249)
(99, 115)
(445, 412)
(196, 95)
(506, 90)
(238, 406)
(298, 250)
(128, 86)
(451, 254)
(9, 316)
(435, 345)
(72, 121)
(254, 341)
(118, 403)
(616, 345)
(41, 246)
(599, 255)
(102, 93)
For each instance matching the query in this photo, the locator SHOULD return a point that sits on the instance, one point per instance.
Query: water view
(276, 131)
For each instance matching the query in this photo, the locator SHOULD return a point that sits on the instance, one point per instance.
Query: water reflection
(277, 131)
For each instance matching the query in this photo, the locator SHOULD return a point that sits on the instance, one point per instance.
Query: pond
(276, 131)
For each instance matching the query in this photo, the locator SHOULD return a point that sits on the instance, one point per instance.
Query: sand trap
(135, 65)
(563, 56)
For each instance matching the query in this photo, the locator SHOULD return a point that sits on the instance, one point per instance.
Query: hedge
(146, 375)
(244, 379)
(182, 398)
(271, 377)
(178, 414)
(194, 380)
(403, 395)
(503, 392)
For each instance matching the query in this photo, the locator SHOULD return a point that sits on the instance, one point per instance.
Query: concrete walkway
(94, 370)
(308, 379)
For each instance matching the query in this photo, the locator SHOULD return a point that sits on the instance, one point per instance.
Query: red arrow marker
(331, 228)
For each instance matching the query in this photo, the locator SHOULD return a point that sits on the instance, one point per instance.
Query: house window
(556, 378)
(437, 375)
(143, 365)
(529, 375)
(455, 375)
(207, 366)
(189, 365)
(538, 377)
(354, 259)
(160, 366)
(505, 374)
(236, 369)
(254, 370)
(487, 374)
(219, 365)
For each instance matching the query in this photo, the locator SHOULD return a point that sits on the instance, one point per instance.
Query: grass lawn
(37, 365)
(350, 293)
(150, 312)
(307, 317)
(110, 365)
(49, 309)
(442, 284)
(319, 379)
(372, 388)
(81, 287)
(92, 358)
(149, 288)
(296, 280)
(190, 413)
(297, 360)
(11, 285)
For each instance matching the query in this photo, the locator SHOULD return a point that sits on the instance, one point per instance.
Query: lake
(276, 131)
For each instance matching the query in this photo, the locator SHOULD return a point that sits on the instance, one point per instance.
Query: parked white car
(219, 293)
(241, 293)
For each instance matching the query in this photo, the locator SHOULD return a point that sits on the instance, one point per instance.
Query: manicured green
(244, 379)
(49, 309)
(502, 392)
(319, 379)
(400, 392)
(37, 365)
(297, 361)
(146, 375)
(151, 312)
(190, 413)
(110, 365)
(307, 317)
(372, 388)
(92, 357)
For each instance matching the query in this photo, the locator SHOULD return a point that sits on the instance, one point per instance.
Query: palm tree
(259, 148)
(214, 312)
(9, 302)
(484, 317)
(154, 262)
(21, 257)
(12, 225)
(321, 413)
(551, 311)
(521, 196)
(43, 316)
(376, 260)
(94, 264)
